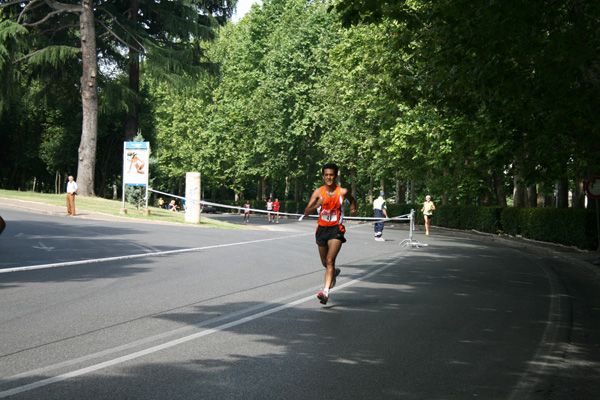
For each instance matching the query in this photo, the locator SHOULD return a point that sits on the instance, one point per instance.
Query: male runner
(276, 209)
(330, 231)
(269, 208)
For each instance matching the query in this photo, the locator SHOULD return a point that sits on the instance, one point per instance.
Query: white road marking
(150, 254)
(42, 246)
(176, 342)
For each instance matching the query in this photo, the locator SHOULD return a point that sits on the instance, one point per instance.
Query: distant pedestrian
(427, 209)
(247, 212)
(71, 192)
(269, 208)
(380, 211)
(276, 209)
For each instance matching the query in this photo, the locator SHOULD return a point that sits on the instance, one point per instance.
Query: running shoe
(322, 297)
(380, 239)
(337, 272)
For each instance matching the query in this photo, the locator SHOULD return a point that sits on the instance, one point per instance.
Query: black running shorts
(326, 233)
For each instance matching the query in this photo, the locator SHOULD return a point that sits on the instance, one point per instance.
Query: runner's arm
(348, 196)
(315, 202)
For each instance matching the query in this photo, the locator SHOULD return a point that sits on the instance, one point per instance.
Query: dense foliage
(471, 102)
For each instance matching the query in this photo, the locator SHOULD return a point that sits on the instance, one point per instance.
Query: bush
(573, 227)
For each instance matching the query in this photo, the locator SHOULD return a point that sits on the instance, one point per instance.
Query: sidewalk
(62, 211)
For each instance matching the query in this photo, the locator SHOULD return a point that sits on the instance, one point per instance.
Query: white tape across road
(405, 217)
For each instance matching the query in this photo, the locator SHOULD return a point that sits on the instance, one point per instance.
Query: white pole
(192, 197)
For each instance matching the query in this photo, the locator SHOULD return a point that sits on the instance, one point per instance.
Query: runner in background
(276, 209)
(329, 199)
(269, 208)
(427, 209)
(247, 212)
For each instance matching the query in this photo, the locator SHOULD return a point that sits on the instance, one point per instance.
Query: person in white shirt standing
(380, 211)
(71, 191)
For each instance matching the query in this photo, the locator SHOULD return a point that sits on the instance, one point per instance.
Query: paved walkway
(62, 211)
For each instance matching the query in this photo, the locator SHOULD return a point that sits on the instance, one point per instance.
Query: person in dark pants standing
(380, 211)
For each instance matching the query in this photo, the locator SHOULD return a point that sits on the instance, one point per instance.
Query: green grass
(113, 207)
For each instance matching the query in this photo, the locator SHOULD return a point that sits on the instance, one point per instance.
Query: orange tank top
(331, 210)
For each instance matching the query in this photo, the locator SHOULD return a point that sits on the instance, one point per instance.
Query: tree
(166, 36)
(528, 88)
(43, 49)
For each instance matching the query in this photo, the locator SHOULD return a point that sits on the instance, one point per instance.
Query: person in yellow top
(427, 209)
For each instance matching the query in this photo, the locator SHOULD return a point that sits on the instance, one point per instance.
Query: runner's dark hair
(330, 166)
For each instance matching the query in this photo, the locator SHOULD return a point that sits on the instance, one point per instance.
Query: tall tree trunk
(445, 195)
(57, 183)
(499, 189)
(531, 196)
(382, 185)
(296, 190)
(579, 194)
(89, 98)
(562, 193)
(519, 191)
(264, 188)
(131, 121)
(544, 200)
(370, 189)
(397, 187)
(353, 183)
(287, 188)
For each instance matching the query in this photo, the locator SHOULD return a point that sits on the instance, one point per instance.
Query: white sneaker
(380, 239)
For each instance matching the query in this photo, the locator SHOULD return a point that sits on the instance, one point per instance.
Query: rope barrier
(370, 220)
(405, 217)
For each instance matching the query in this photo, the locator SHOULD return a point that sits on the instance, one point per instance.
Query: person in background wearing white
(379, 211)
(71, 192)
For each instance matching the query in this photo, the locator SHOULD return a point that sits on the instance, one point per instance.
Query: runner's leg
(328, 255)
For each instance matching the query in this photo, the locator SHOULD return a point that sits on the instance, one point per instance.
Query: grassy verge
(112, 207)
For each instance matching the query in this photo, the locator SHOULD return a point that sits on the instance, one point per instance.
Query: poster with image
(135, 163)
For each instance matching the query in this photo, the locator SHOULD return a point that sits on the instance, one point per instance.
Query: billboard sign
(135, 163)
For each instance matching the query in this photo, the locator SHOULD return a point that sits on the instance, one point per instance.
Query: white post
(192, 197)
(412, 224)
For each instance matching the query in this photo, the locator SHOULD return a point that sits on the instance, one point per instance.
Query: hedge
(572, 227)
(568, 226)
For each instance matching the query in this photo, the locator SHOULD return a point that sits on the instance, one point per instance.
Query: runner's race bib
(329, 215)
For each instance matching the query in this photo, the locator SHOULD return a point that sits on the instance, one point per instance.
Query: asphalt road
(125, 310)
